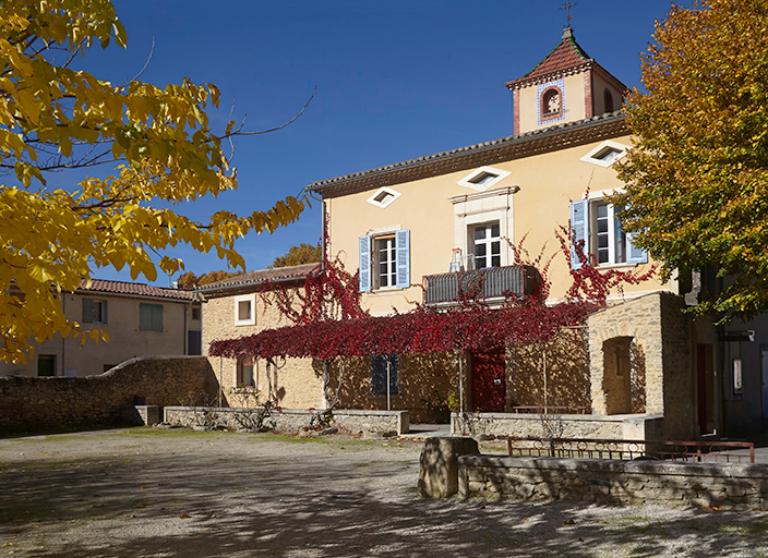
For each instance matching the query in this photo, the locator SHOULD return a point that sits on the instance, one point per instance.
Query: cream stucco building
(141, 320)
(418, 229)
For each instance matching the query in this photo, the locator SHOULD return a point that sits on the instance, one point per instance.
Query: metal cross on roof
(567, 5)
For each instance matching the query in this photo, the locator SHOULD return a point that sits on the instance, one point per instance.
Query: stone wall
(565, 362)
(613, 482)
(425, 383)
(626, 427)
(31, 404)
(659, 360)
(294, 382)
(291, 420)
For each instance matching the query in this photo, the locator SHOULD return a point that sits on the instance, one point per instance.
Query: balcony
(481, 284)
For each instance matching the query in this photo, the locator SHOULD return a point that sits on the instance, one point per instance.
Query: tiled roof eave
(543, 78)
(486, 153)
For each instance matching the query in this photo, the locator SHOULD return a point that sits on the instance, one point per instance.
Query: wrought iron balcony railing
(481, 284)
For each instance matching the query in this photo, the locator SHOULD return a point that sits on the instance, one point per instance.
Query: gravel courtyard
(149, 492)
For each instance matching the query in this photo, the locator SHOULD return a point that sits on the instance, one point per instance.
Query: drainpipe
(389, 398)
(544, 367)
(459, 356)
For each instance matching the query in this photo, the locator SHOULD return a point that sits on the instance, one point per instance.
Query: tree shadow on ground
(319, 504)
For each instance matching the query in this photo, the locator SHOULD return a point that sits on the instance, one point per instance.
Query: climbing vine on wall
(328, 320)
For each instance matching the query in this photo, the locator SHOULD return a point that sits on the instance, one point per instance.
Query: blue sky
(394, 79)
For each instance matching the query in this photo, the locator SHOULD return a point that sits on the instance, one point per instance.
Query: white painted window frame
(590, 157)
(593, 199)
(466, 181)
(478, 208)
(391, 263)
(241, 298)
(394, 194)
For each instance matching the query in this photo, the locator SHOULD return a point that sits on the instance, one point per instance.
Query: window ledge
(617, 266)
(387, 290)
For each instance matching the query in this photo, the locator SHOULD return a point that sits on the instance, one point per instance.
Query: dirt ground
(149, 492)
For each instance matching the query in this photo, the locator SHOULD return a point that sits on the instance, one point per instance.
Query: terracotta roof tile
(567, 54)
(137, 289)
(259, 277)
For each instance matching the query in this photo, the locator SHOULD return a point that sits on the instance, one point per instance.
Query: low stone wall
(290, 420)
(627, 427)
(34, 404)
(613, 482)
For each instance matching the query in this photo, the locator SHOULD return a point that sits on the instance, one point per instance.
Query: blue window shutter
(403, 247)
(635, 255)
(579, 230)
(365, 264)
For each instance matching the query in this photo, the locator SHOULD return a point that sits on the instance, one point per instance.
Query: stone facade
(425, 384)
(613, 482)
(639, 355)
(553, 373)
(370, 423)
(30, 404)
(627, 427)
(294, 383)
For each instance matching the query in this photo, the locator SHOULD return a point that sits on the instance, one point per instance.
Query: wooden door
(489, 385)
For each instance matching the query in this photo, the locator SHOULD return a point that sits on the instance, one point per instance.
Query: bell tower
(566, 86)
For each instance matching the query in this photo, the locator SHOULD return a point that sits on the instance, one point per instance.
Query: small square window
(246, 372)
(151, 317)
(94, 311)
(483, 178)
(245, 310)
(383, 197)
(605, 154)
(195, 313)
(46, 365)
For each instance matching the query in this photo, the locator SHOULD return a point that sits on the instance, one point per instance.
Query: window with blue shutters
(379, 374)
(385, 261)
(597, 224)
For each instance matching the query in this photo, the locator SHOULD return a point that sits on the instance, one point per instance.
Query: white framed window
(245, 310)
(247, 372)
(605, 154)
(483, 178)
(94, 311)
(596, 226)
(385, 260)
(485, 242)
(383, 197)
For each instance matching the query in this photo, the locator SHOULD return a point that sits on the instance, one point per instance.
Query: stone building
(419, 229)
(237, 307)
(141, 320)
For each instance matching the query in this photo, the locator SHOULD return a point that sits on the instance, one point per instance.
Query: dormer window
(383, 197)
(551, 103)
(605, 154)
(483, 178)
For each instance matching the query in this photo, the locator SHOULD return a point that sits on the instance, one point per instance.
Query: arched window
(551, 103)
(608, 101)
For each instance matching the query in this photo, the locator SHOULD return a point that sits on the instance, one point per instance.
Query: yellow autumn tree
(697, 179)
(55, 118)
